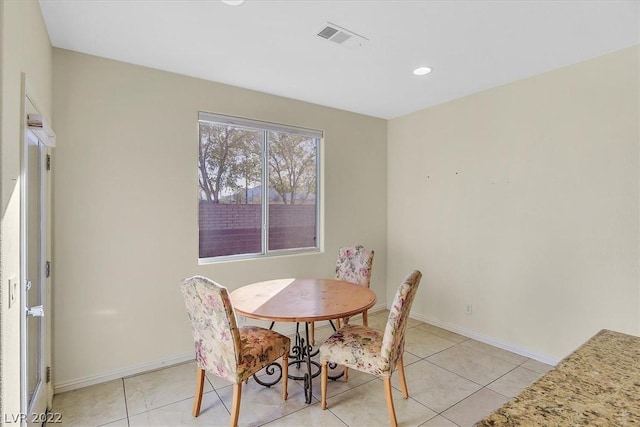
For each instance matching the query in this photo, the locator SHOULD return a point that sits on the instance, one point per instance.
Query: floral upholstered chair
(222, 348)
(353, 265)
(372, 351)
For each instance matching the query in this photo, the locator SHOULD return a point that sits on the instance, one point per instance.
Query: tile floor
(452, 381)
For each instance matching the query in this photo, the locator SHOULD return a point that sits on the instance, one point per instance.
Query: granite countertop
(596, 385)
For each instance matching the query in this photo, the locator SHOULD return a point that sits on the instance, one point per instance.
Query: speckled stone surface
(596, 385)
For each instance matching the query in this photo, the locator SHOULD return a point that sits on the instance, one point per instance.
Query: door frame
(46, 137)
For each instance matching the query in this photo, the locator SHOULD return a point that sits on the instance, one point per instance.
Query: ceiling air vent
(342, 36)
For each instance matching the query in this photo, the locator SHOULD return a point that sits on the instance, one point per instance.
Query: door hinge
(48, 162)
(47, 269)
(48, 374)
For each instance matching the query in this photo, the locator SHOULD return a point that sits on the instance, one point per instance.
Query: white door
(35, 266)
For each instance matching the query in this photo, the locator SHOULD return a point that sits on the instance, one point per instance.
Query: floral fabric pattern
(221, 348)
(393, 340)
(354, 265)
(259, 347)
(356, 347)
(367, 349)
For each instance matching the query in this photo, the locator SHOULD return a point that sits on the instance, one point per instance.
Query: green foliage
(229, 160)
(292, 166)
(229, 165)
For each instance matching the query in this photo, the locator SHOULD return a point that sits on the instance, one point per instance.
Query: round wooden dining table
(302, 301)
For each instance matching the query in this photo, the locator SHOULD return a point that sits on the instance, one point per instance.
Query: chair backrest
(214, 327)
(354, 264)
(393, 339)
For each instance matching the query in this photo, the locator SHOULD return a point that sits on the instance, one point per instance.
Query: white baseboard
(487, 339)
(121, 373)
(283, 328)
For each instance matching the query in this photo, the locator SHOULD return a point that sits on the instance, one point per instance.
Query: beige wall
(25, 48)
(125, 195)
(523, 201)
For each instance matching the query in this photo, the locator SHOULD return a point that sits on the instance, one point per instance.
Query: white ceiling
(272, 46)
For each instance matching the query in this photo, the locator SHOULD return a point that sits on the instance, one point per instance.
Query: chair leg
(338, 323)
(390, 408)
(345, 371)
(365, 318)
(403, 379)
(285, 374)
(312, 333)
(323, 384)
(235, 406)
(200, 374)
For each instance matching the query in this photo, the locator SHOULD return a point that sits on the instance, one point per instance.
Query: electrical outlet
(13, 290)
(468, 309)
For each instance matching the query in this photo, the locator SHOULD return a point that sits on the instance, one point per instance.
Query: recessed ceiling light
(233, 2)
(421, 71)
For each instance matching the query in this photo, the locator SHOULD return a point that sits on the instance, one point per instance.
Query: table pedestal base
(301, 352)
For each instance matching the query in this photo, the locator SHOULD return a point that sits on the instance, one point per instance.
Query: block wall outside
(229, 229)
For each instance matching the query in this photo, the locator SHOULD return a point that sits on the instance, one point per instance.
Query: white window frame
(265, 127)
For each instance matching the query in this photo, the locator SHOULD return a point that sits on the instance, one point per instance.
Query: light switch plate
(13, 290)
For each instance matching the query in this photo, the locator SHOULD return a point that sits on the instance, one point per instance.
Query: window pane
(258, 187)
(229, 172)
(292, 190)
